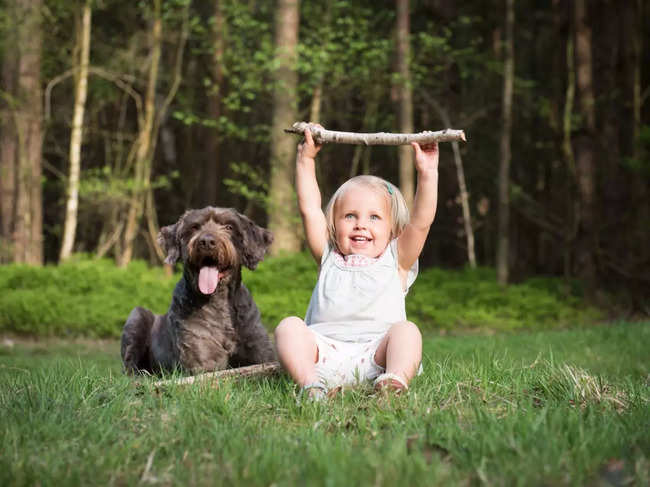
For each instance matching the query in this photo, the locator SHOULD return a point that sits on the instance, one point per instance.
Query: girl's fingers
(307, 148)
(433, 147)
(308, 138)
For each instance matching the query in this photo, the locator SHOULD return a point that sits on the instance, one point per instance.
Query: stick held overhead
(322, 135)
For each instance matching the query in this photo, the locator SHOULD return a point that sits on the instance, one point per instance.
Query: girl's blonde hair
(399, 212)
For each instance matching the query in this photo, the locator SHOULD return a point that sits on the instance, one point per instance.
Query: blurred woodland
(116, 116)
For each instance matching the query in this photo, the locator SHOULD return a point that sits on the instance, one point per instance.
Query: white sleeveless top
(357, 298)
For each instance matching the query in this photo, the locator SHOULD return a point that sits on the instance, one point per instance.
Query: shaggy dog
(212, 322)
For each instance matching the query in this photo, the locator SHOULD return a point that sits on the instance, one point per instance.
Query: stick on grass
(258, 370)
(322, 135)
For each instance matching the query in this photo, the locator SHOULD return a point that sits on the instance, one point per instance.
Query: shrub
(472, 298)
(81, 297)
(282, 286)
(93, 297)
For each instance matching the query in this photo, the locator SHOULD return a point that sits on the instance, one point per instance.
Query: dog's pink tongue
(208, 279)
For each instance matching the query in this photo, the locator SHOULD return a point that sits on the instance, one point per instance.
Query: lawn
(547, 408)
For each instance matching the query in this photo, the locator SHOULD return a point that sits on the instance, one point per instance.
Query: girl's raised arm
(411, 241)
(309, 198)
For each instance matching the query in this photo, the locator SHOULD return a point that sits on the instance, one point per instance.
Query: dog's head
(213, 243)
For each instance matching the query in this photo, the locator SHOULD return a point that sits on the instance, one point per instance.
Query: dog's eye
(228, 226)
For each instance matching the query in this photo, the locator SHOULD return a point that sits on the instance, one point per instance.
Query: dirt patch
(34, 344)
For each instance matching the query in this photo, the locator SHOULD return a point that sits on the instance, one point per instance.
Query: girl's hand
(426, 157)
(308, 148)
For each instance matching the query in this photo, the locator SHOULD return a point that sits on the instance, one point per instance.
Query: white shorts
(346, 363)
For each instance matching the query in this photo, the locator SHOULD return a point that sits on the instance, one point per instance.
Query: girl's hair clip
(389, 187)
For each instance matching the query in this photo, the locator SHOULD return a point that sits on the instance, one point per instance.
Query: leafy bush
(81, 297)
(471, 298)
(282, 286)
(93, 297)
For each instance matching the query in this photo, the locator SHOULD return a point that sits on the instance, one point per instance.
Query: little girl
(355, 329)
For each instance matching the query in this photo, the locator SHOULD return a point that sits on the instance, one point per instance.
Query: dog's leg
(255, 347)
(253, 342)
(136, 341)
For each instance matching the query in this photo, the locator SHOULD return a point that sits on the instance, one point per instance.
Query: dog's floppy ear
(255, 241)
(168, 240)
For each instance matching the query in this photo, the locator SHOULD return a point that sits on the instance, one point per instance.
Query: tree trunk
(629, 247)
(369, 122)
(142, 169)
(462, 186)
(159, 117)
(28, 230)
(637, 62)
(317, 96)
(316, 103)
(640, 188)
(502, 257)
(76, 137)
(212, 162)
(405, 100)
(283, 218)
(585, 147)
(567, 152)
(8, 152)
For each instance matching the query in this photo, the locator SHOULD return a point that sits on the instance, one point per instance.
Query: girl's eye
(349, 216)
(374, 217)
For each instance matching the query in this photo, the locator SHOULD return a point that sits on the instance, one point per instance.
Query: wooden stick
(322, 135)
(259, 370)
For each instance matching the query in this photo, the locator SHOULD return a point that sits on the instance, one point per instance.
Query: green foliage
(93, 297)
(101, 185)
(246, 66)
(450, 300)
(282, 286)
(82, 297)
(249, 183)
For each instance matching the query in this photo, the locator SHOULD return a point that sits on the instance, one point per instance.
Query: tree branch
(103, 248)
(462, 186)
(322, 135)
(259, 370)
(102, 73)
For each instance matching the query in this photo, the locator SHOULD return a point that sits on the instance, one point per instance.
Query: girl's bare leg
(400, 352)
(297, 350)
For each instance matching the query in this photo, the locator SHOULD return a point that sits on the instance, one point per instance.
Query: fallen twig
(259, 370)
(322, 135)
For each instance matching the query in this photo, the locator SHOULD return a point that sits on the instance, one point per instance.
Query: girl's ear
(168, 240)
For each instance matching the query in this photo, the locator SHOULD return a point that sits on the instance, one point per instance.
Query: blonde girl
(367, 247)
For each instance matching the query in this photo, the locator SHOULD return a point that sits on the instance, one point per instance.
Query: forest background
(117, 116)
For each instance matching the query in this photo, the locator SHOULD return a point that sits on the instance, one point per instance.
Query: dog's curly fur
(203, 332)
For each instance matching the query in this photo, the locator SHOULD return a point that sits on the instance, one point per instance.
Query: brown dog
(212, 322)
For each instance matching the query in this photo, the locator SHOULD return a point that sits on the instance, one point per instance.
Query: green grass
(92, 298)
(548, 408)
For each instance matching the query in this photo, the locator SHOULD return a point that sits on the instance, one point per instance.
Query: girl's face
(362, 221)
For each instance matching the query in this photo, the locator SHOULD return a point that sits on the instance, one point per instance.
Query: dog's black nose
(207, 241)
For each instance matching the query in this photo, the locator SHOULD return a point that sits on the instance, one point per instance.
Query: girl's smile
(362, 222)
